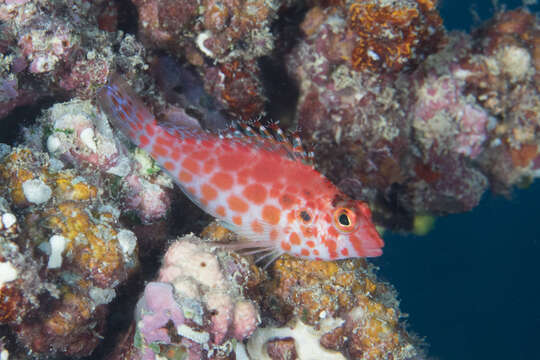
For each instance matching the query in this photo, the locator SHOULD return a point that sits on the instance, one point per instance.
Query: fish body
(274, 200)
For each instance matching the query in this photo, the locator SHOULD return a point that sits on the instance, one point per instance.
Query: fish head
(348, 230)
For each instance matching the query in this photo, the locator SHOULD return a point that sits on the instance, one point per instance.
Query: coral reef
(415, 121)
(196, 307)
(62, 254)
(422, 141)
(333, 310)
(78, 134)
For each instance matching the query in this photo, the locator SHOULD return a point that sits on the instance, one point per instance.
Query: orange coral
(392, 37)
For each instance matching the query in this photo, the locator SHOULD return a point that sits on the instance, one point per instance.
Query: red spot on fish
(286, 201)
(208, 192)
(209, 165)
(143, 141)
(159, 151)
(304, 252)
(139, 116)
(285, 246)
(222, 180)
(191, 165)
(149, 129)
(271, 214)
(345, 252)
(310, 243)
(237, 204)
(237, 220)
(243, 176)
(184, 176)
(273, 234)
(291, 217)
(220, 210)
(294, 239)
(255, 193)
(163, 140)
(168, 165)
(331, 246)
(256, 227)
(200, 155)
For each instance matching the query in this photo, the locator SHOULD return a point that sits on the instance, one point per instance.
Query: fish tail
(125, 110)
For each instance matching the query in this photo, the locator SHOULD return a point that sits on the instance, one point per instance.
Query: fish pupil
(344, 220)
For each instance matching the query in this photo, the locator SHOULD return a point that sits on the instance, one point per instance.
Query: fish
(260, 186)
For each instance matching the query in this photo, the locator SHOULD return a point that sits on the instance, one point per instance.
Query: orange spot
(237, 220)
(139, 116)
(208, 192)
(310, 243)
(184, 176)
(158, 150)
(294, 239)
(291, 217)
(276, 190)
(332, 232)
(114, 101)
(286, 201)
(162, 140)
(256, 227)
(209, 165)
(200, 155)
(149, 129)
(345, 252)
(271, 214)
(237, 204)
(306, 231)
(222, 180)
(191, 165)
(273, 234)
(305, 252)
(191, 189)
(123, 117)
(316, 252)
(243, 176)
(285, 246)
(233, 161)
(331, 246)
(220, 211)
(255, 193)
(168, 165)
(143, 140)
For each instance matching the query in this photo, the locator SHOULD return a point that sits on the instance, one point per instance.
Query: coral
(393, 37)
(429, 141)
(77, 133)
(333, 310)
(63, 255)
(196, 306)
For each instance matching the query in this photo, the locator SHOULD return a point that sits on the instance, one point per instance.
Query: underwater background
(471, 286)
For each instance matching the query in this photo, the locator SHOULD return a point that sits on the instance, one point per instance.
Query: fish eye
(344, 219)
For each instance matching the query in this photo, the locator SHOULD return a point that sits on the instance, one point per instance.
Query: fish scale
(256, 185)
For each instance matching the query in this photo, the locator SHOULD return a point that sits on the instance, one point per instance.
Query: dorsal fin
(269, 137)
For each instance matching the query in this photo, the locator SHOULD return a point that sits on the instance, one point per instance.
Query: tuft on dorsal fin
(270, 138)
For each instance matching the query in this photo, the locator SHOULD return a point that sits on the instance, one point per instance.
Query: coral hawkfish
(259, 186)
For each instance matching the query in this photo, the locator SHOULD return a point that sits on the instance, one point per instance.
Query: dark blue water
(472, 285)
